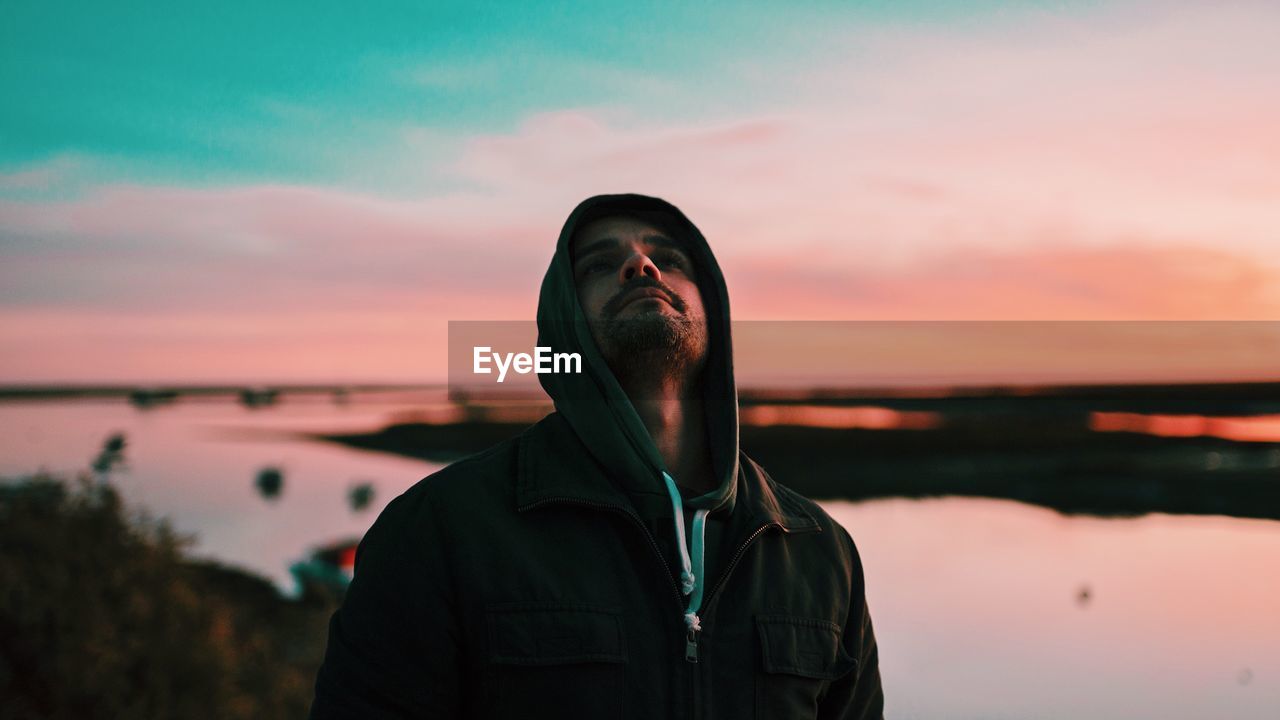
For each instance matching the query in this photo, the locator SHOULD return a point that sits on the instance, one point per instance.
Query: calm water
(193, 463)
(984, 608)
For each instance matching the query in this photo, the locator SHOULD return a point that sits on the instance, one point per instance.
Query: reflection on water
(865, 417)
(1252, 428)
(978, 609)
(983, 608)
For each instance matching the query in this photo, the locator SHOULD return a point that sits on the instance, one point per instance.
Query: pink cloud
(405, 344)
(1059, 282)
(263, 247)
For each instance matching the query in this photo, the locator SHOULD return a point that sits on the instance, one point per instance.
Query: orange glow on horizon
(1260, 428)
(863, 417)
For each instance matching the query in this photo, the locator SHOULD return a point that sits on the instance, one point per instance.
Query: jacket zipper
(691, 646)
(691, 638)
(737, 556)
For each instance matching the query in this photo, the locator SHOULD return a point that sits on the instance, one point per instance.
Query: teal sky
(304, 92)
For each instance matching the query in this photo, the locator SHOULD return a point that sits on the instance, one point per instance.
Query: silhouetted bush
(102, 617)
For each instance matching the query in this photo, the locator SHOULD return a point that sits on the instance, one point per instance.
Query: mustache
(614, 305)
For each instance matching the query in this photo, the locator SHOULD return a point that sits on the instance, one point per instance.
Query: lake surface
(983, 608)
(195, 464)
(980, 610)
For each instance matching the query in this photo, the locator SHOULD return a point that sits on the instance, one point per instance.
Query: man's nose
(638, 264)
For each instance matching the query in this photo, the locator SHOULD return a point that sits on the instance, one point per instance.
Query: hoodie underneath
(600, 412)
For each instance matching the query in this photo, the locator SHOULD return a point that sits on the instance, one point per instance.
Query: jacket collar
(555, 467)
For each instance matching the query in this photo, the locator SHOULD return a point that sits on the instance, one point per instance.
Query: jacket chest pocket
(555, 660)
(799, 658)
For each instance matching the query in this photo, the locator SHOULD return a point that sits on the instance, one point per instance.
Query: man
(622, 557)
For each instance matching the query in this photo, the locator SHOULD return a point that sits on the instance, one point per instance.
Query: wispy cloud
(42, 177)
(265, 247)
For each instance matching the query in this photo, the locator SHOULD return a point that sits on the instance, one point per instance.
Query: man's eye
(673, 260)
(592, 267)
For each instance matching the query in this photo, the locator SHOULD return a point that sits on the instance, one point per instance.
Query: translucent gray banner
(502, 358)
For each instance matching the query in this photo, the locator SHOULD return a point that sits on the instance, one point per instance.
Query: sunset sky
(309, 192)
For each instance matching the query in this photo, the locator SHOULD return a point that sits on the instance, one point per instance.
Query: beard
(650, 343)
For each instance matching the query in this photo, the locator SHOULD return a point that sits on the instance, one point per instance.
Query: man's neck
(671, 409)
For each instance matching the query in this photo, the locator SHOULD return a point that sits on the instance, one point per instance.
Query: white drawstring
(691, 568)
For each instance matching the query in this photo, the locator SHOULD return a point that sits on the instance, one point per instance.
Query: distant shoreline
(1260, 397)
(1036, 448)
(124, 390)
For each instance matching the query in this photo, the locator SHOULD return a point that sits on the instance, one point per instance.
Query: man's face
(639, 290)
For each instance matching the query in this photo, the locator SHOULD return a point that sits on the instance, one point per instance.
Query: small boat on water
(327, 571)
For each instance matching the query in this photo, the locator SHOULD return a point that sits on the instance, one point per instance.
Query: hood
(593, 402)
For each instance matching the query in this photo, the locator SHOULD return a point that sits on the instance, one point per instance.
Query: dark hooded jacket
(540, 579)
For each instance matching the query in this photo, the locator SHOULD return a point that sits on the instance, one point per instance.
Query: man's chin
(648, 336)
